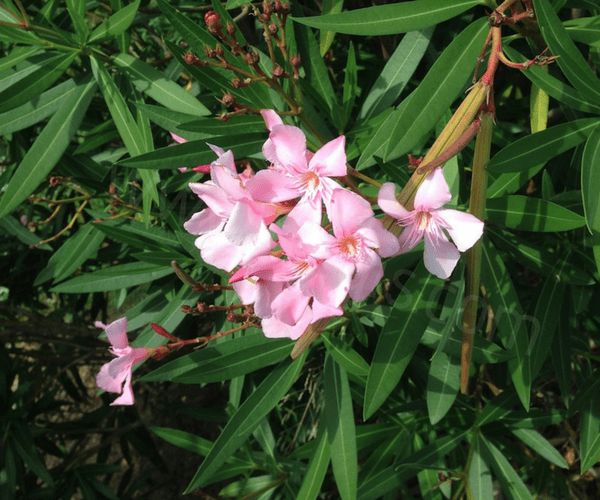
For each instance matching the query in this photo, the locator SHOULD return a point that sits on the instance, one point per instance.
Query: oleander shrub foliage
(375, 232)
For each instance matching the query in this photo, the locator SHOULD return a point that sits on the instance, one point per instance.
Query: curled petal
(271, 118)
(386, 199)
(117, 333)
(440, 256)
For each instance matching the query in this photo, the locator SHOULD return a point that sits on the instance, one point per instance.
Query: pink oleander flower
(202, 169)
(297, 173)
(115, 376)
(351, 256)
(428, 221)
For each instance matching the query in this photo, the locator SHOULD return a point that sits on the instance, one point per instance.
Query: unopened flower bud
(219, 51)
(230, 28)
(228, 99)
(192, 59)
(273, 29)
(278, 71)
(295, 60)
(213, 21)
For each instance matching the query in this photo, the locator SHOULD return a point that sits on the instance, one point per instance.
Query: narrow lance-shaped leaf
(317, 467)
(399, 338)
(248, 416)
(390, 19)
(115, 24)
(340, 429)
(48, 147)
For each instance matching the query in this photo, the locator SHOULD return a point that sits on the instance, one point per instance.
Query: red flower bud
(213, 21)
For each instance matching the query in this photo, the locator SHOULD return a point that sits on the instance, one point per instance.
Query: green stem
(473, 255)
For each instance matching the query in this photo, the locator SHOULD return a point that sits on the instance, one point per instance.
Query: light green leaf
(114, 278)
(390, 19)
(397, 72)
(542, 146)
(76, 9)
(399, 338)
(343, 354)
(531, 214)
(442, 385)
(247, 417)
(480, 476)
(115, 24)
(161, 89)
(416, 117)
(326, 37)
(317, 467)
(339, 417)
(48, 147)
(17, 55)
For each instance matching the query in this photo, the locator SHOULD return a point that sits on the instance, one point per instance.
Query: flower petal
(330, 160)
(117, 333)
(329, 282)
(271, 118)
(348, 212)
(203, 222)
(464, 228)
(276, 329)
(433, 193)
(386, 199)
(290, 304)
(369, 272)
(290, 146)
(440, 256)
(271, 186)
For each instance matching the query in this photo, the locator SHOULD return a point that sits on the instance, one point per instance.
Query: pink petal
(374, 235)
(348, 212)
(318, 239)
(215, 198)
(321, 311)
(290, 147)
(465, 229)
(303, 212)
(329, 282)
(272, 186)
(203, 222)
(117, 333)
(246, 290)
(244, 225)
(218, 251)
(440, 256)
(271, 118)
(369, 272)
(126, 398)
(112, 382)
(267, 292)
(433, 193)
(289, 305)
(330, 160)
(410, 238)
(228, 181)
(386, 199)
(274, 328)
(177, 138)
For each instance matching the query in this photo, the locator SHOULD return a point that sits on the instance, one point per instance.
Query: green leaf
(547, 312)
(326, 37)
(317, 467)
(442, 385)
(511, 182)
(480, 476)
(396, 73)
(390, 19)
(561, 354)
(238, 125)
(553, 86)
(17, 55)
(531, 214)
(45, 152)
(170, 120)
(192, 153)
(247, 417)
(115, 24)
(437, 91)
(114, 278)
(23, 443)
(509, 317)
(224, 361)
(536, 258)
(161, 89)
(399, 338)
(12, 34)
(512, 484)
(542, 146)
(343, 354)
(72, 254)
(13, 227)
(590, 180)
(339, 418)
(497, 408)
(572, 63)
(584, 30)
(76, 9)
(539, 444)
(124, 121)
(35, 83)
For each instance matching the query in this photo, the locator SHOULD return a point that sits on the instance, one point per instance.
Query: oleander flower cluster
(299, 243)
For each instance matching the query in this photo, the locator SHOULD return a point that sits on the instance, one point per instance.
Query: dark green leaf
(115, 24)
(317, 467)
(390, 19)
(539, 444)
(442, 385)
(343, 354)
(214, 127)
(590, 180)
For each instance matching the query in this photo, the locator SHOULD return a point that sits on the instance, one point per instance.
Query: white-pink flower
(115, 376)
(428, 221)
